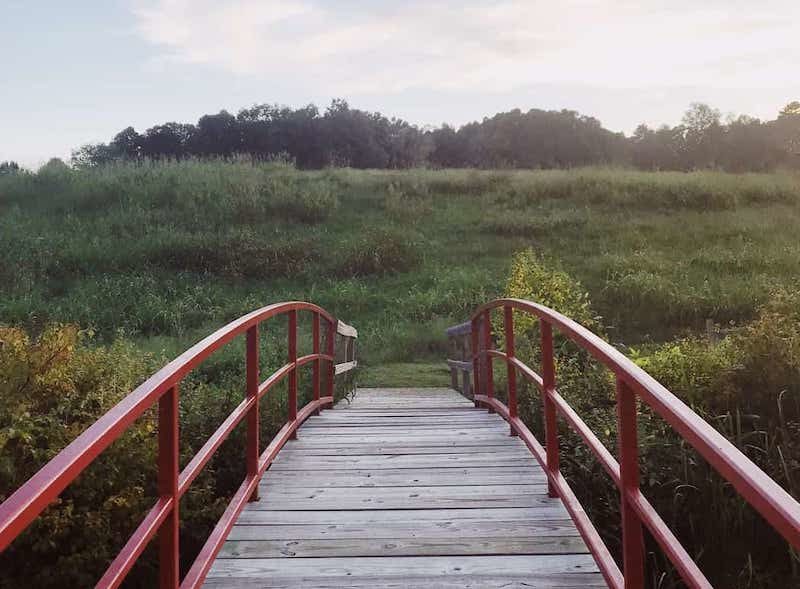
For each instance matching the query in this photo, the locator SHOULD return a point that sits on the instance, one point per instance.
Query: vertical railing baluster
(317, 365)
(550, 421)
(293, 373)
(476, 361)
(632, 535)
(331, 351)
(252, 415)
(487, 345)
(452, 341)
(464, 372)
(508, 325)
(168, 534)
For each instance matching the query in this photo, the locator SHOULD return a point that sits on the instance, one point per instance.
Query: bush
(52, 388)
(530, 278)
(747, 386)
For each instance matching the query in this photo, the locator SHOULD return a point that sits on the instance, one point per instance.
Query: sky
(78, 72)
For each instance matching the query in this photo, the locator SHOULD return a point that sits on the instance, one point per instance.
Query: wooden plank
(289, 461)
(459, 436)
(294, 498)
(543, 510)
(410, 529)
(405, 567)
(393, 449)
(460, 329)
(372, 547)
(407, 477)
(549, 581)
(346, 330)
(456, 429)
(327, 420)
(343, 408)
(343, 367)
(491, 444)
(410, 404)
(460, 365)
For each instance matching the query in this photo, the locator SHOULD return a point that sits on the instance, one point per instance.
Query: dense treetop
(344, 136)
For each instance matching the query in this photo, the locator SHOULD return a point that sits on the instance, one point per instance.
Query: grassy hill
(174, 250)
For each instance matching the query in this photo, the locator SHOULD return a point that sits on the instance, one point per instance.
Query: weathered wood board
(404, 488)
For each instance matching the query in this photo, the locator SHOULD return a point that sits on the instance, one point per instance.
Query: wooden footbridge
(404, 487)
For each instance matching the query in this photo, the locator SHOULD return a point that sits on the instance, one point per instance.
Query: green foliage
(377, 252)
(52, 388)
(536, 139)
(747, 385)
(9, 167)
(534, 280)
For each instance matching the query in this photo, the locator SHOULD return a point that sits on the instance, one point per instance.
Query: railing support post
(317, 365)
(632, 536)
(293, 374)
(168, 534)
(331, 351)
(508, 323)
(488, 373)
(252, 415)
(476, 361)
(550, 421)
(465, 373)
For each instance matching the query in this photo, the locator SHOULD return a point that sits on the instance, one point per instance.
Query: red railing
(21, 508)
(632, 383)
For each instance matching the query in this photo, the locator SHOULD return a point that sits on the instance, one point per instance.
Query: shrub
(747, 386)
(52, 388)
(530, 278)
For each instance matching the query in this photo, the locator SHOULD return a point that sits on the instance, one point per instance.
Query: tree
(127, 144)
(8, 168)
(787, 132)
(91, 155)
(169, 140)
(791, 109)
(216, 135)
(54, 164)
(536, 138)
(701, 136)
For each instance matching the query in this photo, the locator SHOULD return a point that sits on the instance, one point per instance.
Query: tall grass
(178, 245)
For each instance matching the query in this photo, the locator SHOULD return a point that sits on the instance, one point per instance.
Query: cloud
(358, 47)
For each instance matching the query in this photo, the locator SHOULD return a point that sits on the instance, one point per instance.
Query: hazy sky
(78, 72)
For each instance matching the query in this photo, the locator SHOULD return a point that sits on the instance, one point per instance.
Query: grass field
(152, 257)
(172, 251)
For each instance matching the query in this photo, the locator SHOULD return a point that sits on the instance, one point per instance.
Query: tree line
(345, 136)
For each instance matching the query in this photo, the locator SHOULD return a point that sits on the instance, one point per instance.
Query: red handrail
(777, 506)
(27, 502)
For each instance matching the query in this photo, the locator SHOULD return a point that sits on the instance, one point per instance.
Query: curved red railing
(22, 507)
(779, 508)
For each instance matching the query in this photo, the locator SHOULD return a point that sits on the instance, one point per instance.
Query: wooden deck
(404, 488)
